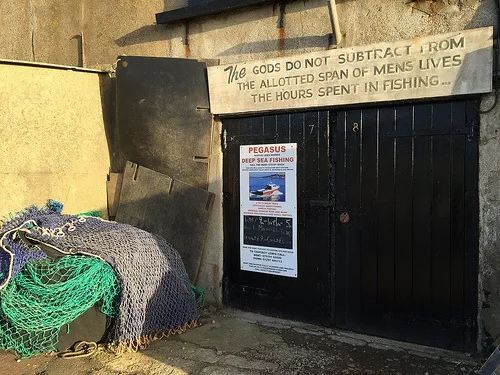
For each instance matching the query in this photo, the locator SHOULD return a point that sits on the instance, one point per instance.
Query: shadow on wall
(107, 87)
(170, 270)
(472, 58)
(144, 34)
(270, 45)
(251, 14)
(486, 15)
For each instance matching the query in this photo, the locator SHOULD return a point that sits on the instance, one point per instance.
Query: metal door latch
(344, 217)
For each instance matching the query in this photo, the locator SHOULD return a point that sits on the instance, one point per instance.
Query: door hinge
(226, 197)
(473, 132)
(224, 140)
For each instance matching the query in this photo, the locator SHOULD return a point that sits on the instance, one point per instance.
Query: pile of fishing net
(54, 267)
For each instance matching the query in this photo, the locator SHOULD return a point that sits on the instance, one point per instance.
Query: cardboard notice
(268, 209)
(457, 63)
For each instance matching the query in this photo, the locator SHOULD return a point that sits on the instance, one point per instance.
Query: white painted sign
(455, 63)
(268, 209)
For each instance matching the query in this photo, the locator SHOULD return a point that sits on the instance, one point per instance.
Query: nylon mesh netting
(155, 293)
(48, 294)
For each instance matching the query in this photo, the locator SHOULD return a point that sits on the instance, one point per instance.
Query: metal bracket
(472, 136)
(210, 202)
(200, 159)
(281, 16)
(186, 33)
(81, 49)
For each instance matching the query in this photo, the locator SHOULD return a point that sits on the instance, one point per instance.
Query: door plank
(386, 216)
(354, 228)
(368, 208)
(440, 219)
(403, 207)
(422, 192)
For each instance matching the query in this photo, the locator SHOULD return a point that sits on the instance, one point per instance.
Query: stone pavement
(231, 342)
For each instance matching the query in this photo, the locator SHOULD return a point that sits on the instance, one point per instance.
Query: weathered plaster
(53, 139)
(15, 38)
(253, 34)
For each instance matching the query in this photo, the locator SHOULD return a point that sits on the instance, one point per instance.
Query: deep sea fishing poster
(268, 209)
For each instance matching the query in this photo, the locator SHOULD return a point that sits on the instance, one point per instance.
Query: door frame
(471, 324)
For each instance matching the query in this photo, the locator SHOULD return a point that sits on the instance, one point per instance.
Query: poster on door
(268, 209)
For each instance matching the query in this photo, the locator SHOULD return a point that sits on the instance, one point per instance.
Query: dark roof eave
(205, 9)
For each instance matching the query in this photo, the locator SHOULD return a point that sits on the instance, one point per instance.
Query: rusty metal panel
(113, 188)
(169, 208)
(162, 116)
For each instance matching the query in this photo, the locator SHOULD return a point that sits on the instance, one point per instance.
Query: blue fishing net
(156, 297)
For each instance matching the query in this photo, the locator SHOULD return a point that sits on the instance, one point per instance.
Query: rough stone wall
(489, 219)
(390, 21)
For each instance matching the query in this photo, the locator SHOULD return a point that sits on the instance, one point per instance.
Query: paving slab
(237, 334)
(226, 370)
(170, 349)
(246, 363)
(232, 342)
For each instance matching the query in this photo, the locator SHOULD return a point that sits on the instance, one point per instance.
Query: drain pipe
(334, 20)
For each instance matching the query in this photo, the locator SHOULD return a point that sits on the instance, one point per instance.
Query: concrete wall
(253, 34)
(49, 30)
(53, 141)
(489, 224)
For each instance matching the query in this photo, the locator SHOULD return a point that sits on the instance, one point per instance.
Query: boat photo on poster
(267, 186)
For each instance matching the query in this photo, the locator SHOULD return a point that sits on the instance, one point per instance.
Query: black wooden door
(306, 297)
(407, 253)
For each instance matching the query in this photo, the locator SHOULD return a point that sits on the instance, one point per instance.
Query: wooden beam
(205, 9)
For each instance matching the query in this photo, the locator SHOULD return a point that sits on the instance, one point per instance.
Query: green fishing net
(199, 295)
(48, 295)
